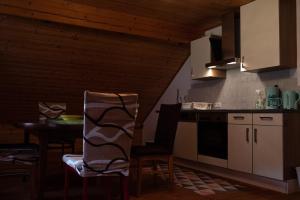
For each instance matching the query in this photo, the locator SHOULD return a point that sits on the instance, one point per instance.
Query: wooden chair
(23, 159)
(162, 148)
(109, 121)
(53, 110)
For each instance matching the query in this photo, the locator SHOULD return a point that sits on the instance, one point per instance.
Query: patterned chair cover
(53, 110)
(49, 110)
(109, 121)
(19, 153)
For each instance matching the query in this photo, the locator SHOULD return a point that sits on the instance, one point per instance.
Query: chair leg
(139, 176)
(171, 170)
(73, 147)
(33, 180)
(66, 187)
(133, 165)
(85, 189)
(62, 149)
(108, 186)
(124, 187)
(155, 171)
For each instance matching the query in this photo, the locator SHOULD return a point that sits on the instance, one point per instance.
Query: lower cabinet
(268, 151)
(256, 147)
(185, 145)
(240, 147)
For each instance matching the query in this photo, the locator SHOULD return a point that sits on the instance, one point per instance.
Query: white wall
(182, 82)
(237, 91)
(298, 40)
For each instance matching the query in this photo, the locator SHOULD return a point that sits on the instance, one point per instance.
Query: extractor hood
(226, 49)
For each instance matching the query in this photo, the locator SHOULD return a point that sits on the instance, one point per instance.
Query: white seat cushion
(75, 162)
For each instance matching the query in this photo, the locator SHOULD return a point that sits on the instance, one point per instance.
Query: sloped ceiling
(189, 12)
(53, 50)
(198, 15)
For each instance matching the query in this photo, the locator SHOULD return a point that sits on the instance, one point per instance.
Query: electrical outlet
(218, 105)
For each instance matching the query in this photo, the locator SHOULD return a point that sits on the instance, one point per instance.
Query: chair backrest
(109, 121)
(51, 110)
(168, 118)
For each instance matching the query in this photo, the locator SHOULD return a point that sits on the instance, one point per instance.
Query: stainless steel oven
(212, 138)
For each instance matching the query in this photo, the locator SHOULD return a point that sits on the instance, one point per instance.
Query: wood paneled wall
(44, 61)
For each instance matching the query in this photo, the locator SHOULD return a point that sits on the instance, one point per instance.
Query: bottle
(260, 100)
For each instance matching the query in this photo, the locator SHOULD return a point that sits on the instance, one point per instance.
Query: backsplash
(237, 91)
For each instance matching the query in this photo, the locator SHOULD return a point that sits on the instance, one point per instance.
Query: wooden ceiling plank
(188, 12)
(96, 18)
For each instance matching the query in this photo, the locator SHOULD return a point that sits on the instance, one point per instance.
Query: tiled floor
(201, 183)
(191, 185)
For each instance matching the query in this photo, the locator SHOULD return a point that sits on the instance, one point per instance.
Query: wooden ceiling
(197, 15)
(171, 20)
(100, 45)
(186, 12)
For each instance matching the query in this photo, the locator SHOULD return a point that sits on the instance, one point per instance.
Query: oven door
(212, 139)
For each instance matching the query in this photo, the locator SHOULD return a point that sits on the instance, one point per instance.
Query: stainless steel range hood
(225, 64)
(226, 50)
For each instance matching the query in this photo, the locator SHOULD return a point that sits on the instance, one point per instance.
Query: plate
(71, 117)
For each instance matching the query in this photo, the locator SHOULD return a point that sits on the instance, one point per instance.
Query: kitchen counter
(262, 139)
(191, 115)
(242, 111)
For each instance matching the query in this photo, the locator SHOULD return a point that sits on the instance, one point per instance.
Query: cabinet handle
(238, 117)
(255, 135)
(266, 118)
(247, 135)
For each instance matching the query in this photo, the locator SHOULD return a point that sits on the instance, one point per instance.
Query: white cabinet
(200, 55)
(240, 142)
(185, 145)
(268, 151)
(240, 147)
(256, 148)
(268, 34)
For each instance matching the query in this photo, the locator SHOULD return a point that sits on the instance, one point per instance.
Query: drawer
(268, 119)
(240, 118)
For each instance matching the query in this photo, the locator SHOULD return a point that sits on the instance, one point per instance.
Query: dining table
(45, 130)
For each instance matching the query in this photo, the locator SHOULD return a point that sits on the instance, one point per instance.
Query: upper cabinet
(268, 35)
(201, 54)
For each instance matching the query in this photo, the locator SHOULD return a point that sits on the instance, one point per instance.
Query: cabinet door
(185, 145)
(260, 45)
(268, 151)
(200, 55)
(240, 147)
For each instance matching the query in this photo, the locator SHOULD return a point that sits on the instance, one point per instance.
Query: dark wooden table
(44, 131)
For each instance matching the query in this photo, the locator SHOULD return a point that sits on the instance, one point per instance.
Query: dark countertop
(193, 115)
(242, 111)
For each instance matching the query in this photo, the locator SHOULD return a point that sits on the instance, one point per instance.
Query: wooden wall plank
(42, 61)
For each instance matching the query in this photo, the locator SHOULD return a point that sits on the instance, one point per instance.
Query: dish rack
(197, 106)
(202, 106)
